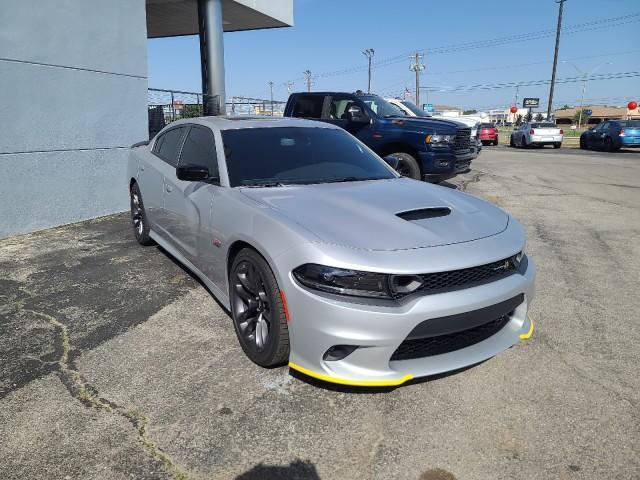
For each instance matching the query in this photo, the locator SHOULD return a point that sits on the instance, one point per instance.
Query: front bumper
(320, 321)
(439, 166)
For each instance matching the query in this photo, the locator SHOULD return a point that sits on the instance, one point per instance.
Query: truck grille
(462, 140)
(426, 347)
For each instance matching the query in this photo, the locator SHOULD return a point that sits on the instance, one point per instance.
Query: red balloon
(513, 109)
(632, 105)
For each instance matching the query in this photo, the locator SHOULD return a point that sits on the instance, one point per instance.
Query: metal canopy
(167, 18)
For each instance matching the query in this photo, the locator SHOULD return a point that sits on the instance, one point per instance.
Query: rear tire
(512, 144)
(495, 142)
(407, 166)
(257, 309)
(557, 145)
(139, 217)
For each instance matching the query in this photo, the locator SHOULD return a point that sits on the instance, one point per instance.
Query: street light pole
(307, 77)
(417, 67)
(271, 88)
(585, 78)
(369, 52)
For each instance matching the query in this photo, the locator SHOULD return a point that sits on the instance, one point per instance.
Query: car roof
(240, 122)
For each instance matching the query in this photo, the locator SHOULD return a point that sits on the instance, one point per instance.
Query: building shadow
(296, 470)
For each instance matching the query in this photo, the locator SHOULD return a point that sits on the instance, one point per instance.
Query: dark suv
(425, 148)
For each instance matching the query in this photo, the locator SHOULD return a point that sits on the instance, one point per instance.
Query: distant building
(599, 114)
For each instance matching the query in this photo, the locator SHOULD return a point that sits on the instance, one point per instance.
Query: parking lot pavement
(115, 363)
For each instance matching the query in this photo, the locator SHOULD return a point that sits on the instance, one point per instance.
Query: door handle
(168, 188)
(141, 168)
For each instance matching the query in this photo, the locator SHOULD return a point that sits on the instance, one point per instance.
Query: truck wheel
(407, 166)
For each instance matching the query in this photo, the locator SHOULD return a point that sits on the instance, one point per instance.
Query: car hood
(427, 124)
(364, 215)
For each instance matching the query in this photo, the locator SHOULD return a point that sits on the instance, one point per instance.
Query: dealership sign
(530, 102)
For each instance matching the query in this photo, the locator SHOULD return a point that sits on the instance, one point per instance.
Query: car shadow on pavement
(296, 470)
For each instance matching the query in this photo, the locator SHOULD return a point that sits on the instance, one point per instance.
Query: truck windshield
(380, 106)
(415, 109)
(298, 155)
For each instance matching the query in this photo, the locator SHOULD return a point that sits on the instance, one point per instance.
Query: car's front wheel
(139, 217)
(258, 312)
(407, 165)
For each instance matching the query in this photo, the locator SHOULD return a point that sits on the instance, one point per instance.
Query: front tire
(139, 217)
(257, 309)
(407, 166)
(583, 144)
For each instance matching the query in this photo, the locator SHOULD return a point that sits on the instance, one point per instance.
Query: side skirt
(217, 292)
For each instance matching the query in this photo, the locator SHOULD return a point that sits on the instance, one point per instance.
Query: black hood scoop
(424, 213)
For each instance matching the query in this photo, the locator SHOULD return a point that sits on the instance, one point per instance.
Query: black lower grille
(462, 140)
(427, 347)
(466, 276)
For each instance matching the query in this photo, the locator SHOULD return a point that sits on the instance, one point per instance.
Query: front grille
(427, 347)
(457, 278)
(462, 140)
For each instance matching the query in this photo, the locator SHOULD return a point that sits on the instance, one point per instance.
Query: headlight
(356, 283)
(517, 259)
(438, 140)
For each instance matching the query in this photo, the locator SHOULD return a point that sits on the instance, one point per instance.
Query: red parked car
(488, 134)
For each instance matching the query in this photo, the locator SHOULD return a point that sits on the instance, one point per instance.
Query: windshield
(298, 155)
(544, 125)
(414, 108)
(381, 107)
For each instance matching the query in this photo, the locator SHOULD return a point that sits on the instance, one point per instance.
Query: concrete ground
(116, 364)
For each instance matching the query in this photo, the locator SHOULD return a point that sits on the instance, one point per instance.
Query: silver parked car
(325, 257)
(536, 134)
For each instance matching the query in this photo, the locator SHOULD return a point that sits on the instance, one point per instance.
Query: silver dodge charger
(325, 257)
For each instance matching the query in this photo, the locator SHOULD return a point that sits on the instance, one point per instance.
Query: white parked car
(538, 134)
(410, 109)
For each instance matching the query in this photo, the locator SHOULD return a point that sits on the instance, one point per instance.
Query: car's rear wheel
(495, 142)
(608, 145)
(407, 165)
(258, 312)
(523, 142)
(512, 143)
(557, 145)
(139, 217)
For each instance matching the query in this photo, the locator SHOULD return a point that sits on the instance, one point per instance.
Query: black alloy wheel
(407, 165)
(139, 217)
(258, 312)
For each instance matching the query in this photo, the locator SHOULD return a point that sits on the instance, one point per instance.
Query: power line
(499, 41)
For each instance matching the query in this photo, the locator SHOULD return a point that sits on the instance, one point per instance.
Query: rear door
(154, 167)
(188, 204)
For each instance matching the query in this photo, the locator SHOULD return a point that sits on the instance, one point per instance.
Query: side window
(200, 149)
(338, 108)
(308, 106)
(170, 146)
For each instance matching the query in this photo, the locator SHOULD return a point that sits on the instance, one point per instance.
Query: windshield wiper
(265, 184)
(347, 179)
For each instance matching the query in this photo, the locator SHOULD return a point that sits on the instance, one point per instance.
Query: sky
(466, 43)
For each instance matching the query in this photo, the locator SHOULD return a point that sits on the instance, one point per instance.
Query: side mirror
(392, 161)
(192, 173)
(356, 115)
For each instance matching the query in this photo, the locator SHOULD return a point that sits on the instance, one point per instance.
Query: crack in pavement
(88, 395)
(475, 179)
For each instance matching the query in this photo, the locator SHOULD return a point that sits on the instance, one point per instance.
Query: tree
(564, 107)
(519, 119)
(585, 117)
(469, 112)
(539, 117)
(191, 110)
(528, 117)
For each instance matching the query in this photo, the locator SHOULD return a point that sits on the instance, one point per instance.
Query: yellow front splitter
(524, 336)
(354, 383)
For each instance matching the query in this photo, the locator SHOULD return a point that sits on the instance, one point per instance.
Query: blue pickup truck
(425, 148)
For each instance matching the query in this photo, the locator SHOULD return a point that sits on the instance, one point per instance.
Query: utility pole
(271, 88)
(585, 79)
(307, 78)
(289, 86)
(417, 67)
(369, 52)
(555, 58)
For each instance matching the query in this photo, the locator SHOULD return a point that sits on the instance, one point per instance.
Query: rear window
(630, 124)
(308, 107)
(487, 125)
(544, 125)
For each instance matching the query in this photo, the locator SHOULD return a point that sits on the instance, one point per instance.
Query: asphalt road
(115, 363)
